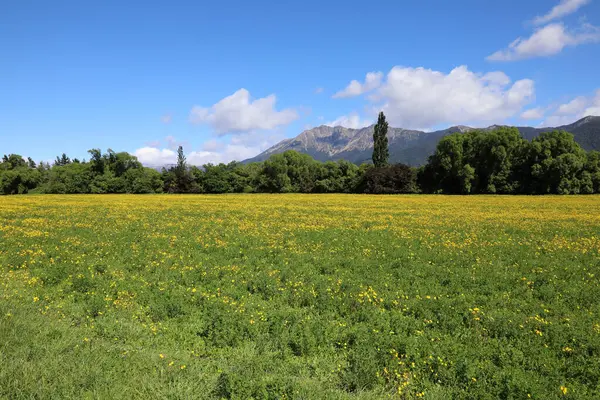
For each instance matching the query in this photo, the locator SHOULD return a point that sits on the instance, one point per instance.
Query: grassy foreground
(299, 296)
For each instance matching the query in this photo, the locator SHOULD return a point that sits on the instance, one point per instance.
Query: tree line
(499, 161)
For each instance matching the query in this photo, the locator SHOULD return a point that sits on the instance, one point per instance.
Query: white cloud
(579, 107)
(238, 148)
(318, 90)
(166, 119)
(557, 120)
(227, 154)
(155, 157)
(575, 106)
(565, 7)
(355, 88)
(594, 108)
(152, 156)
(532, 113)
(352, 120)
(496, 79)
(423, 98)
(546, 41)
(238, 114)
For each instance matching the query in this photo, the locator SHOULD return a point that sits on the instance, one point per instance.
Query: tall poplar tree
(381, 153)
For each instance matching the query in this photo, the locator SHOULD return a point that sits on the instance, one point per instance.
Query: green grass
(299, 296)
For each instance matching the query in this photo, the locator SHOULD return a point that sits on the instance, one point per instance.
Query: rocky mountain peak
(411, 147)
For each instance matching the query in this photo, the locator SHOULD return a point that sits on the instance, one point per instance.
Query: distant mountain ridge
(411, 147)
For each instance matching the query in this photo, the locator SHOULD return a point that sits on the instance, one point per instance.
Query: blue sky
(227, 79)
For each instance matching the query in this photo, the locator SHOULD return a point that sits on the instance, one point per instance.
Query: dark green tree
(62, 160)
(13, 161)
(391, 179)
(69, 178)
(476, 162)
(179, 179)
(592, 167)
(120, 163)
(300, 170)
(142, 180)
(381, 153)
(274, 175)
(554, 164)
(18, 180)
(181, 161)
(96, 161)
(216, 178)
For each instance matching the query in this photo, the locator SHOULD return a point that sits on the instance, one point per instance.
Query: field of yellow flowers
(299, 296)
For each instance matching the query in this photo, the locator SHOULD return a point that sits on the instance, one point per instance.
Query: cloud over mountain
(239, 113)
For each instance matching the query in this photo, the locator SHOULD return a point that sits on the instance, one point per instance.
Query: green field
(299, 296)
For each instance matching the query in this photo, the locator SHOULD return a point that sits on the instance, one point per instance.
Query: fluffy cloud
(238, 148)
(579, 107)
(533, 113)
(155, 157)
(575, 106)
(166, 119)
(594, 107)
(546, 41)
(355, 88)
(557, 120)
(565, 7)
(423, 98)
(318, 90)
(352, 120)
(238, 113)
(228, 153)
(152, 156)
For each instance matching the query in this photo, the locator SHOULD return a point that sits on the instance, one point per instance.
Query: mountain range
(407, 146)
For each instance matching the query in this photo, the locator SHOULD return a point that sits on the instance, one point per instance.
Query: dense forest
(499, 161)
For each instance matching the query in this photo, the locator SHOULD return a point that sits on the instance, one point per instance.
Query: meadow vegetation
(299, 296)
